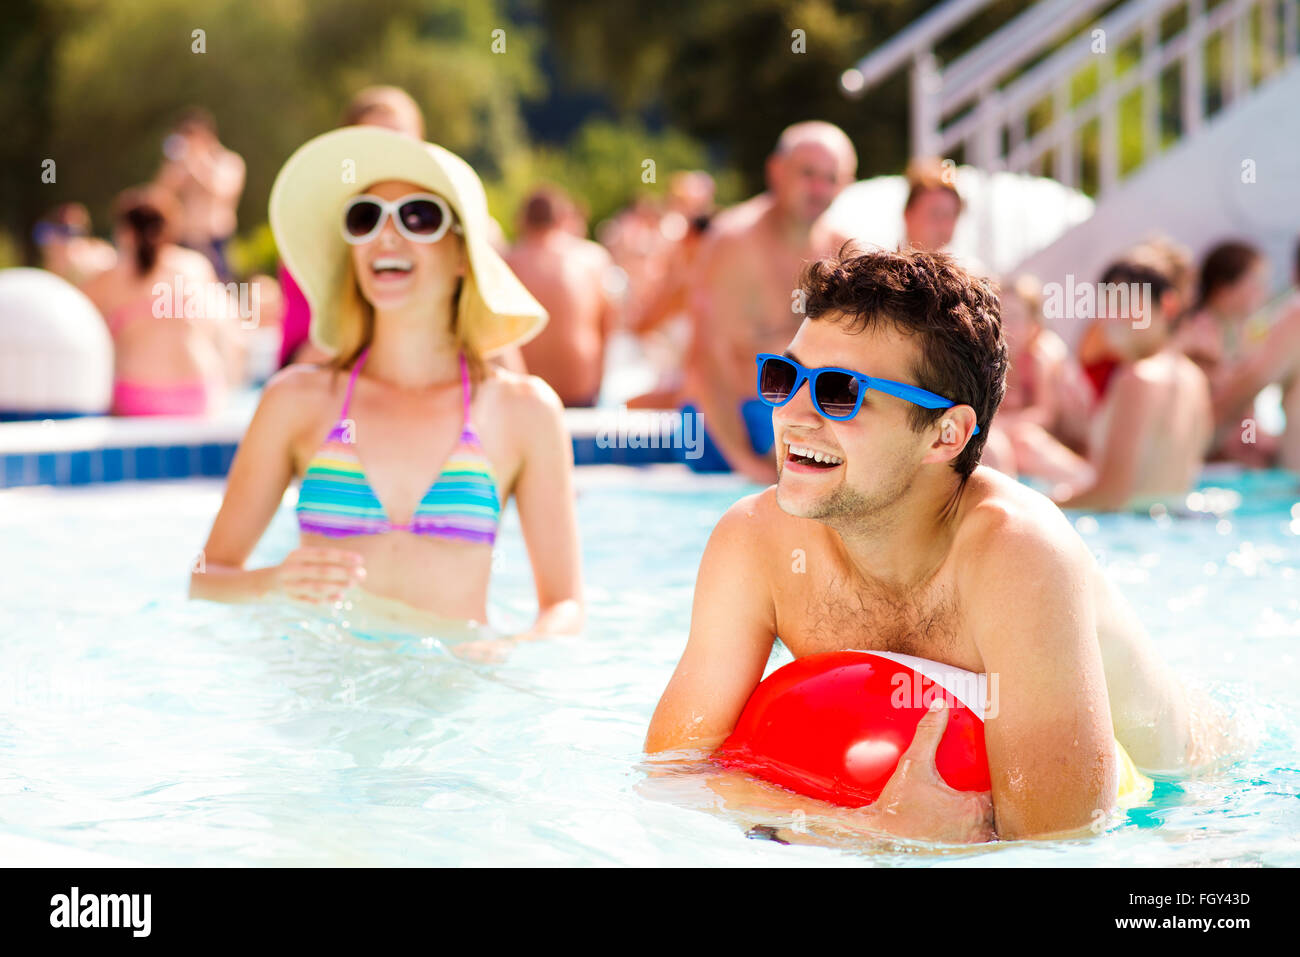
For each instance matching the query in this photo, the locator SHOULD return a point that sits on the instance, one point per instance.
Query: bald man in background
(746, 301)
(568, 275)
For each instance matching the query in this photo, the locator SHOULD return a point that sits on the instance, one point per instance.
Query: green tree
(96, 87)
(736, 74)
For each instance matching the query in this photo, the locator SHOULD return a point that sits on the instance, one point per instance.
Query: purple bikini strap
(352, 381)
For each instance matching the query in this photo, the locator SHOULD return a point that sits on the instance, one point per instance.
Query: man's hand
(918, 803)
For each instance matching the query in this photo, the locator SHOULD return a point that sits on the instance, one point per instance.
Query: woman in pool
(164, 363)
(1233, 287)
(1048, 402)
(407, 442)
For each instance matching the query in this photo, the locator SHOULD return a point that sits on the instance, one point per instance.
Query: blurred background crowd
(657, 188)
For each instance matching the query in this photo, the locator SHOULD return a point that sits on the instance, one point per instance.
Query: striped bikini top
(336, 498)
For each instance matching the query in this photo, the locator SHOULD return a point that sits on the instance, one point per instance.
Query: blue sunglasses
(836, 393)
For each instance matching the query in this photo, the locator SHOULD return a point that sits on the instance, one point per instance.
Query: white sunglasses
(420, 217)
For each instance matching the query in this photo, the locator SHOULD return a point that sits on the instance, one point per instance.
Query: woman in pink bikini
(407, 442)
(167, 361)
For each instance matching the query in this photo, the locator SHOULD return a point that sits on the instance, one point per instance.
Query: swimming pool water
(138, 724)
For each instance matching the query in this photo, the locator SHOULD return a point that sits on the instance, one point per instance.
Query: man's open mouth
(802, 455)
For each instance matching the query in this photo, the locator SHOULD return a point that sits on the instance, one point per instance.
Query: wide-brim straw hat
(306, 212)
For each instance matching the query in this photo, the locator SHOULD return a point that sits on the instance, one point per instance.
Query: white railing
(989, 104)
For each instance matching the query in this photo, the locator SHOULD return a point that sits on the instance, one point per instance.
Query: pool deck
(95, 449)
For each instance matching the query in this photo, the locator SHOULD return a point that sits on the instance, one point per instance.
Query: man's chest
(837, 616)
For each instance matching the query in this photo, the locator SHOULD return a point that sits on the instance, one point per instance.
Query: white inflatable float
(56, 356)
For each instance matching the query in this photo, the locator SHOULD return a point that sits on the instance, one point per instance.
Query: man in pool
(567, 274)
(883, 532)
(744, 297)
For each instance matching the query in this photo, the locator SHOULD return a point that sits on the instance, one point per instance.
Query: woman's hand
(319, 575)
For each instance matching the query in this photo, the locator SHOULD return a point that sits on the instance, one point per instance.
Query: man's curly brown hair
(963, 356)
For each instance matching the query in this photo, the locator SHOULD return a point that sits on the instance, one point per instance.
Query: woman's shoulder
(178, 260)
(521, 392)
(298, 390)
(524, 406)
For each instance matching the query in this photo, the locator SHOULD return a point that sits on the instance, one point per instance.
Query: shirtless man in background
(1156, 422)
(569, 277)
(909, 545)
(208, 179)
(746, 301)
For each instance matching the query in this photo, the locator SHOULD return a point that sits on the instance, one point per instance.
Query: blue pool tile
(147, 460)
(13, 470)
(45, 468)
(210, 459)
(113, 468)
(79, 472)
(176, 461)
(585, 451)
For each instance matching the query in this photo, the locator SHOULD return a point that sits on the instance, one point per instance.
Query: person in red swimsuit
(1098, 353)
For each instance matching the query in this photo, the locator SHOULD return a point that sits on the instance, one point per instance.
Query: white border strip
(958, 682)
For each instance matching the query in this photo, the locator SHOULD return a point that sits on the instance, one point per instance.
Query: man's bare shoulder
(828, 237)
(749, 518)
(1006, 523)
(595, 257)
(738, 218)
(757, 520)
(593, 249)
(1191, 373)
(1155, 375)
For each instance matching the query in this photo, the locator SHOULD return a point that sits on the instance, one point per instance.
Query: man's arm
(1024, 594)
(608, 276)
(220, 172)
(731, 638)
(732, 629)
